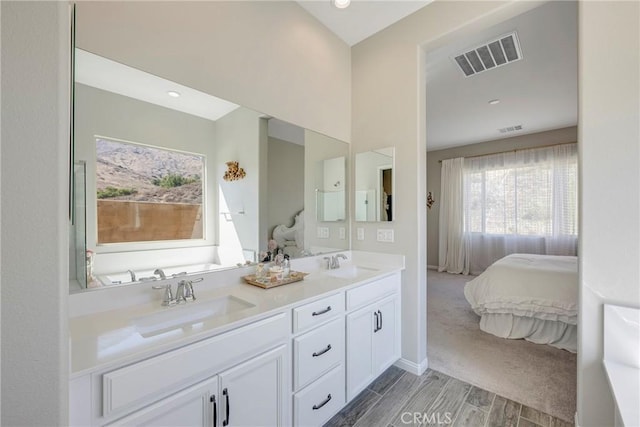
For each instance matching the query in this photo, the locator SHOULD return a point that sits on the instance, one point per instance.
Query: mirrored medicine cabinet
(170, 178)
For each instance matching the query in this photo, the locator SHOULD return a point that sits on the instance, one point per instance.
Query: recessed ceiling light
(494, 102)
(341, 4)
(173, 94)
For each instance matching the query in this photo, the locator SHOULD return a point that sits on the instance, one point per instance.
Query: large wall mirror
(374, 186)
(174, 179)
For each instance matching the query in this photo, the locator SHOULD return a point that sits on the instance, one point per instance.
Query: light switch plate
(360, 233)
(343, 233)
(385, 235)
(323, 232)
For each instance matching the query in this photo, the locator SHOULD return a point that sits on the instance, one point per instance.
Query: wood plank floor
(397, 398)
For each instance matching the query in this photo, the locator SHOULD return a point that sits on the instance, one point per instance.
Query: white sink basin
(187, 315)
(350, 271)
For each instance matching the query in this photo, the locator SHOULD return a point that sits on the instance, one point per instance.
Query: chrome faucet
(180, 292)
(184, 293)
(189, 295)
(334, 262)
(133, 275)
(167, 296)
(159, 272)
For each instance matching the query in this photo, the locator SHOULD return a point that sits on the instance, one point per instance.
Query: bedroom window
(521, 202)
(532, 193)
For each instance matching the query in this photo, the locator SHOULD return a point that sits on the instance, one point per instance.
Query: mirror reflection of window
(374, 185)
(330, 191)
(387, 194)
(147, 193)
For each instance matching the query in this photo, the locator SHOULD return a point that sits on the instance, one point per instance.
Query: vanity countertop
(107, 339)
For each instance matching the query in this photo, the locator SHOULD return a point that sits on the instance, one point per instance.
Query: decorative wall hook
(430, 200)
(234, 172)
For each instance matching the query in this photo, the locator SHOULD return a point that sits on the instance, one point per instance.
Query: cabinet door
(254, 393)
(360, 359)
(195, 406)
(385, 339)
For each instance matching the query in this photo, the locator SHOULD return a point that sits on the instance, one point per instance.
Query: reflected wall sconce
(234, 172)
(430, 200)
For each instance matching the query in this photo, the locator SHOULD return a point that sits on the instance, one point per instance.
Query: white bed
(528, 296)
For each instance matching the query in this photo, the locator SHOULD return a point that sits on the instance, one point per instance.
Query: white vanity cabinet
(318, 360)
(253, 393)
(238, 378)
(298, 365)
(196, 406)
(373, 332)
(250, 394)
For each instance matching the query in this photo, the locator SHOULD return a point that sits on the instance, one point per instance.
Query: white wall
(238, 139)
(609, 149)
(34, 213)
(388, 98)
(272, 57)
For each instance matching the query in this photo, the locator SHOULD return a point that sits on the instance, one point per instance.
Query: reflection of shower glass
(80, 227)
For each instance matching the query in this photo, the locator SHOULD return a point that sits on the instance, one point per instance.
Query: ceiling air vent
(495, 53)
(510, 129)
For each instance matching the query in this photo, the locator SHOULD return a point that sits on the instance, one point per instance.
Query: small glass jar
(260, 271)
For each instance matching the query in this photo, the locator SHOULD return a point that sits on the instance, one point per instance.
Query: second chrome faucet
(333, 262)
(184, 293)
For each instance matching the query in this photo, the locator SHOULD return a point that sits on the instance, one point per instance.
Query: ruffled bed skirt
(555, 333)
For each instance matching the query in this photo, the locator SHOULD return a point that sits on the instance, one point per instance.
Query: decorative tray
(267, 283)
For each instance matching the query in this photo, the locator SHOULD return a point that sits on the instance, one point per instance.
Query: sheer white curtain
(523, 201)
(453, 255)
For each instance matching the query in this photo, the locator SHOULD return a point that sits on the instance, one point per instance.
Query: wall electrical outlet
(360, 233)
(343, 233)
(323, 232)
(385, 235)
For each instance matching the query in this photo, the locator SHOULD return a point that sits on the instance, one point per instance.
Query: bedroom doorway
(474, 109)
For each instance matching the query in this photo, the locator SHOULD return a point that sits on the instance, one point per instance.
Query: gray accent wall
(285, 183)
(558, 136)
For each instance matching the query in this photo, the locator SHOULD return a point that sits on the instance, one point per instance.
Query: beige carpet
(537, 375)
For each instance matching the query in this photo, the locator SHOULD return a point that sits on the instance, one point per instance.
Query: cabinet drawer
(314, 405)
(142, 383)
(372, 291)
(317, 312)
(317, 351)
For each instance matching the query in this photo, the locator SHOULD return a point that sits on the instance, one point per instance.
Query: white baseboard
(575, 420)
(412, 367)
(432, 267)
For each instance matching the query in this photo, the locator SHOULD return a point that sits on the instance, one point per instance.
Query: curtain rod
(514, 151)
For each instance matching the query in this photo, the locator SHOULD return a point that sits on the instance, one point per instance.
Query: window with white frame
(517, 194)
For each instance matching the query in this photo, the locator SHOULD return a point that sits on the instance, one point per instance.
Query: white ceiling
(538, 92)
(362, 18)
(102, 73)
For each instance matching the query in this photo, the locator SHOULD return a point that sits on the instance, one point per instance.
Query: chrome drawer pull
(321, 352)
(324, 402)
(318, 313)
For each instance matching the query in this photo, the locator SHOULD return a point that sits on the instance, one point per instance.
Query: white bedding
(522, 295)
